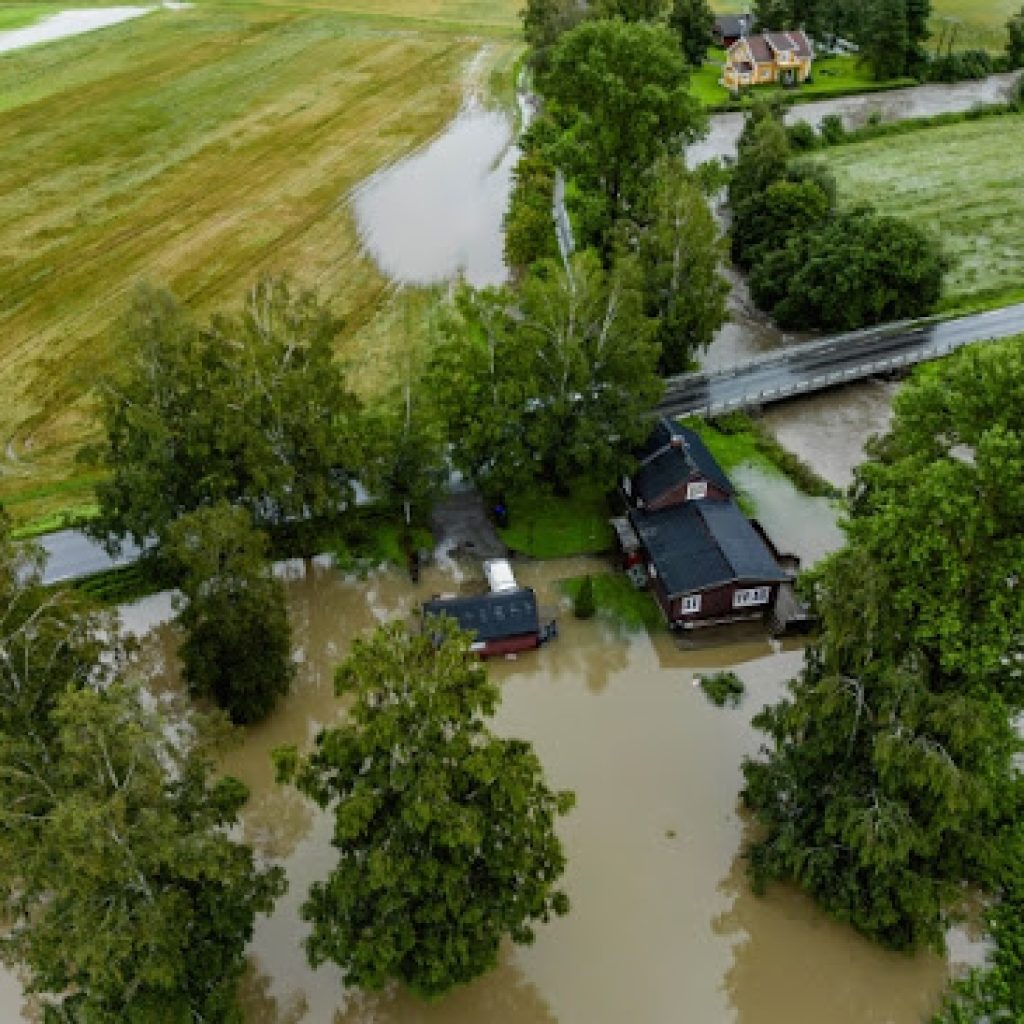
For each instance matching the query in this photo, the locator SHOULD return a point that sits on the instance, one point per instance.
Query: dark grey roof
(733, 24)
(490, 616)
(662, 466)
(705, 544)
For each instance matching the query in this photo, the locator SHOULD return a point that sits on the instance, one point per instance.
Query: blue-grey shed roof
(705, 544)
(490, 616)
(663, 465)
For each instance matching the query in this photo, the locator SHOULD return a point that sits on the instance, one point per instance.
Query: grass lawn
(14, 16)
(833, 76)
(198, 148)
(617, 599)
(962, 181)
(547, 526)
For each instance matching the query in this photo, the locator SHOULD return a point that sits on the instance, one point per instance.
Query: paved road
(818, 365)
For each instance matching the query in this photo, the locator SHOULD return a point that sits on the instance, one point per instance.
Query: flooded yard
(663, 927)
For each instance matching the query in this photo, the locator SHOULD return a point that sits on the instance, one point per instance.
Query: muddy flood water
(663, 927)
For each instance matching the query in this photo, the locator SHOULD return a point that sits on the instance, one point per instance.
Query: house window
(652, 569)
(751, 597)
(627, 486)
(696, 489)
(690, 604)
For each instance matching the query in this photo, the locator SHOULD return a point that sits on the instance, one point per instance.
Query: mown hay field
(962, 181)
(199, 148)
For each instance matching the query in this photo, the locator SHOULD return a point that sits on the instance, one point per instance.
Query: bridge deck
(815, 366)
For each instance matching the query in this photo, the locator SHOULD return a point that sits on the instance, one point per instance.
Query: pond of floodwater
(891, 105)
(663, 927)
(438, 213)
(68, 23)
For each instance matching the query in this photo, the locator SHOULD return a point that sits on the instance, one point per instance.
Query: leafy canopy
(550, 383)
(118, 880)
(445, 833)
(250, 409)
(619, 92)
(890, 774)
(237, 646)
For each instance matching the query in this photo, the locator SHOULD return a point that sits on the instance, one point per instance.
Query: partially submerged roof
(490, 616)
(670, 455)
(705, 544)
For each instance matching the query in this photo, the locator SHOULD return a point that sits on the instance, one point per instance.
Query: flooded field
(663, 927)
(437, 214)
(68, 23)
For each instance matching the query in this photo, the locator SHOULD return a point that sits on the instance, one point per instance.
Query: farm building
(783, 58)
(685, 536)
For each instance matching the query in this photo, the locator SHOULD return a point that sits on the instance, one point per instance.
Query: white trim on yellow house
(766, 58)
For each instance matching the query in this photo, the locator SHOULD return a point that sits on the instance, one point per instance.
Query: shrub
(583, 605)
(802, 137)
(723, 688)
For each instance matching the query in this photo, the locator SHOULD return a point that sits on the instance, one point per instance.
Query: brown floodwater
(830, 429)
(663, 927)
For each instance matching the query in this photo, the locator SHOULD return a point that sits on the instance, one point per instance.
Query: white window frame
(696, 489)
(689, 605)
(751, 597)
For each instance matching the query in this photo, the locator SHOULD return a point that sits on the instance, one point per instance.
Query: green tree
(885, 38)
(1015, 40)
(890, 778)
(119, 878)
(50, 641)
(237, 639)
(583, 606)
(774, 15)
(860, 268)
(680, 252)
(551, 383)
(445, 833)
(619, 92)
(692, 21)
(765, 221)
(544, 21)
(631, 10)
(529, 220)
(252, 409)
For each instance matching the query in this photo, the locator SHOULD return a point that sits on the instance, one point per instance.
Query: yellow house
(769, 57)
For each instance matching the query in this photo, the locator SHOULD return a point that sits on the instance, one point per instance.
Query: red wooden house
(705, 561)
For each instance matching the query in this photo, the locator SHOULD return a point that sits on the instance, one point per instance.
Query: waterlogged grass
(617, 600)
(962, 181)
(199, 148)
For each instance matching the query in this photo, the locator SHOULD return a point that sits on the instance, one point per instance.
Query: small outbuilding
(727, 28)
(505, 622)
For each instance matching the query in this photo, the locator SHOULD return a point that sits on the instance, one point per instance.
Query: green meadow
(199, 148)
(961, 181)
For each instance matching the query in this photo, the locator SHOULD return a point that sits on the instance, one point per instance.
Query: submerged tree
(445, 833)
(237, 646)
(889, 777)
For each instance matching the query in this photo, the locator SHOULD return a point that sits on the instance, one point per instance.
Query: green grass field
(833, 76)
(980, 23)
(198, 148)
(963, 182)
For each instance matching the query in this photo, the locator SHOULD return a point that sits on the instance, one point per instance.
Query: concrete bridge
(818, 365)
